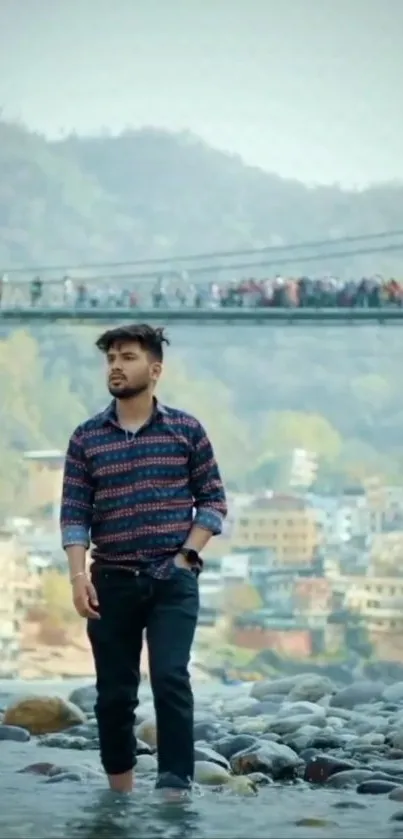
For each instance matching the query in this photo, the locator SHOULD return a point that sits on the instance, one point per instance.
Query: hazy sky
(306, 88)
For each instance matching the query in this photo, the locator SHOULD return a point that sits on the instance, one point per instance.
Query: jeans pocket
(185, 573)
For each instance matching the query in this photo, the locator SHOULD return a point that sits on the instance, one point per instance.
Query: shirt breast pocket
(172, 481)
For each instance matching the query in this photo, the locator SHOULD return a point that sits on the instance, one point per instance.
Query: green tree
(239, 598)
(286, 430)
(212, 405)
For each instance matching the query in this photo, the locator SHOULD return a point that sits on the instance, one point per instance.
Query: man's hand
(85, 598)
(181, 562)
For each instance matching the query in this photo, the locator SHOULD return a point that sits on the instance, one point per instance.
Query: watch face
(191, 555)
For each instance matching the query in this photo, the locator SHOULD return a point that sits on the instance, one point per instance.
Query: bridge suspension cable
(208, 255)
(242, 266)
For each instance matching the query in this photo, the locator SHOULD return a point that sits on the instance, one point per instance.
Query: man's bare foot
(122, 783)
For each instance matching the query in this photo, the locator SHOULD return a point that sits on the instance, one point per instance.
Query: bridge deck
(200, 316)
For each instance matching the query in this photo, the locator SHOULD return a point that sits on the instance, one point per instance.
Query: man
(142, 480)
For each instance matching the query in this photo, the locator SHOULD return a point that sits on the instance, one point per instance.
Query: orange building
(283, 523)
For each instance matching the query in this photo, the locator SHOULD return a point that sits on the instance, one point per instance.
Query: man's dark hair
(149, 339)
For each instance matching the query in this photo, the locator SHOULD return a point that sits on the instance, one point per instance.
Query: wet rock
(359, 693)
(270, 737)
(376, 787)
(348, 778)
(321, 767)
(242, 785)
(43, 714)
(87, 771)
(388, 767)
(368, 726)
(44, 769)
(397, 817)
(255, 726)
(234, 743)
(345, 714)
(258, 778)
(396, 794)
(393, 693)
(298, 741)
(396, 780)
(240, 705)
(335, 723)
(207, 730)
(311, 821)
(14, 732)
(293, 723)
(274, 759)
(373, 738)
(204, 752)
(394, 738)
(363, 753)
(308, 754)
(272, 687)
(64, 741)
(349, 805)
(209, 773)
(64, 776)
(306, 686)
(311, 688)
(146, 763)
(323, 741)
(84, 697)
(147, 732)
(143, 748)
(308, 709)
(265, 707)
(88, 730)
(144, 713)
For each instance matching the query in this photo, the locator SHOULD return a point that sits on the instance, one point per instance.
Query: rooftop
(44, 454)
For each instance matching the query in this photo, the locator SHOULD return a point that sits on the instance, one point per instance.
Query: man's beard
(127, 392)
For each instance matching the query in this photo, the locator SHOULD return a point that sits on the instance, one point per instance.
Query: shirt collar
(110, 414)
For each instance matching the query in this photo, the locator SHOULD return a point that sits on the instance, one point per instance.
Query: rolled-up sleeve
(206, 484)
(77, 495)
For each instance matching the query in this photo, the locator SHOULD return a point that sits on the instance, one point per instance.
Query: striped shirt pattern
(136, 496)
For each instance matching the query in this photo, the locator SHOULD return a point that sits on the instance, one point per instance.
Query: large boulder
(43, 714)
(273, 759)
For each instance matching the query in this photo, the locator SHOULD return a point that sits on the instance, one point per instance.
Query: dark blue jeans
(168, 610)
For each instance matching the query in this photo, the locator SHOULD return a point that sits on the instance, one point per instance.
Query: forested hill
(336, 391)
(150, 193)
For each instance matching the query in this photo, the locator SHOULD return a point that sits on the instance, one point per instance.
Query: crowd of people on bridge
(276, 292)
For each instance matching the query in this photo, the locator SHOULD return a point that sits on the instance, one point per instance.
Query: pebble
(14, 732)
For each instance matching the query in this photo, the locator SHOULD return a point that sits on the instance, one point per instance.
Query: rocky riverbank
(300, 738)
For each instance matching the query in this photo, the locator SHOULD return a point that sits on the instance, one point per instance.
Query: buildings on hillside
(18, 591)
(329, 571)
(322, 566)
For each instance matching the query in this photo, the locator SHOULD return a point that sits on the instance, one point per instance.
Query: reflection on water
(32, 809)
(141, 815)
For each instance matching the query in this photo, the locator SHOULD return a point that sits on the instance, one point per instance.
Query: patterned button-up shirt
(136, 496)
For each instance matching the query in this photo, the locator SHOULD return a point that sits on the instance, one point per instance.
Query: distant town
(297, 573)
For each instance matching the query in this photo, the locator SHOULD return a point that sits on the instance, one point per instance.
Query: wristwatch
(192, 557)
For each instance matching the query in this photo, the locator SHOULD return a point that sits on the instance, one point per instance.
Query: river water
(32, 809)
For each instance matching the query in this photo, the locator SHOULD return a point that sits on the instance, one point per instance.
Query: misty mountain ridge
(152, 193)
